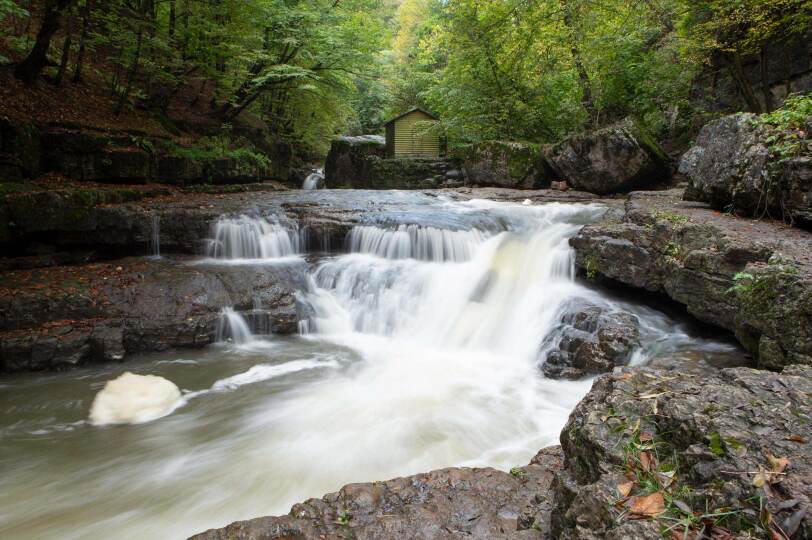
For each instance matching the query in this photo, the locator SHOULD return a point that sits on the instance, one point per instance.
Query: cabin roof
(410, 111)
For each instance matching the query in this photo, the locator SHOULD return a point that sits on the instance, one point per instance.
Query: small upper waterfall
(155, 243)
(233, 327)
(314, 180)
(245, 237)
(415, 242)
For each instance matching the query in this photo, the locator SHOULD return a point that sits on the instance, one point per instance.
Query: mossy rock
(506, 164)
(614, 159)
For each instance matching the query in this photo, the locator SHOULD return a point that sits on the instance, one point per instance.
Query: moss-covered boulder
(347, 162)
(614, 159)
(506, 164)
(733, 166)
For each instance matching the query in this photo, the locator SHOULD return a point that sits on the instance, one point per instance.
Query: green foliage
(716, 445)
(670, 217)
(509, 69)
(10, 8)
(742, 283)
(787, 127)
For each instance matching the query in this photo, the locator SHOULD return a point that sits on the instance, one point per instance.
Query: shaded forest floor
(90, 105)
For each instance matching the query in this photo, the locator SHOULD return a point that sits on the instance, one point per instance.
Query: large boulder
(506, 164)
(588, 340)
(646, 450)
(614, 159)
(732, 167)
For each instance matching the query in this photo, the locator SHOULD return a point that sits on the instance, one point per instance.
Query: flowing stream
(420, 350)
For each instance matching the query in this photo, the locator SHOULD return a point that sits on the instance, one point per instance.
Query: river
(420, 348)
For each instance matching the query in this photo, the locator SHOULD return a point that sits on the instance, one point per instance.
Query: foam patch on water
(134, 399)
(264, 372)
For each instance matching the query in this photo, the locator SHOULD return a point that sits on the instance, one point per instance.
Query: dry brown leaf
(625, 488)
(645, 461)
(777, 464)
(646, 437)
(796, 438)
(648, 505)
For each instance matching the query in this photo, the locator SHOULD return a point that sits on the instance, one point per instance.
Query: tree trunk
(132, 72)
(172, 19)
(185, 19)
(586, 85)
(63, 63)
(30, 69)
(80, 55)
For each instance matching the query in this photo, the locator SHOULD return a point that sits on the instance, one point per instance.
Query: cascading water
(414, 242)
(314, 180)
(245, 237)
(233, 327)
(155, 243)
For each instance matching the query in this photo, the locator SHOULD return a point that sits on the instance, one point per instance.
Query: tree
(30, 69)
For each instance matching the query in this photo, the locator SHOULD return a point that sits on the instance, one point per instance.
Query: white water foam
(264, 372)
(134, 399)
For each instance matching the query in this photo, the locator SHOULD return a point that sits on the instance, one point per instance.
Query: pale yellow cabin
(410, 135)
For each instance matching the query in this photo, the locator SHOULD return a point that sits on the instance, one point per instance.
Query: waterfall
(500, 294)
(155, 244)
(314, 180)
(233, 327)
(415, 242)
(245, 237)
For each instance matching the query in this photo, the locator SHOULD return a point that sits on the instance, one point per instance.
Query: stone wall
(361, 163)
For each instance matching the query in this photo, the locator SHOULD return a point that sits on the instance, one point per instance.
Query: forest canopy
(492, 69)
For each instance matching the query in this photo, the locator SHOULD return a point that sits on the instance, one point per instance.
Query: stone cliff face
(783, 68)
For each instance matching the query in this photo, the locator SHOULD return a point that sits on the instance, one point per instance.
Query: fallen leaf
(777, 464)
(796, 438)
(625, 488)
(683, 506)
(645, 461)
(648, 505)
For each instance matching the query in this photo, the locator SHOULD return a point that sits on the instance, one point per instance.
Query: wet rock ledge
(753, 278)
(57, 318)
(645, 454)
